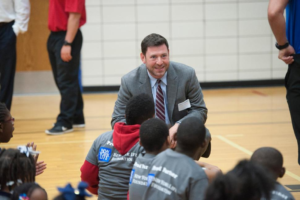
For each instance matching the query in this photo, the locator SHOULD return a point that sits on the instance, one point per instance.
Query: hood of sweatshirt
(125, 136)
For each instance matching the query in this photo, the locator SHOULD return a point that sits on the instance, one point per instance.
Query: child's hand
(34, 149)
(40, 167)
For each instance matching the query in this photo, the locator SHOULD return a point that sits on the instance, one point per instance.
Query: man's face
(157, 60)
(7, 129)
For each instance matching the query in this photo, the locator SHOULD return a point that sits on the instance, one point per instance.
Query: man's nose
(159, 61)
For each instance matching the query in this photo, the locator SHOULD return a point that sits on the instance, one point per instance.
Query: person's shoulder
(282, 192)
(162, 154)
(181, 67)
(104, 137)
(186, 72)
(135, 73)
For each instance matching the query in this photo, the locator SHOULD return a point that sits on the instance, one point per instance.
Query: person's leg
(78, 118)
(7, 63)
(67, 82)
(51, 53)
(292, 83)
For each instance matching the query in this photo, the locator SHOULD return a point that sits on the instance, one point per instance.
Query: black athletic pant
(66, 78)
(7, 62)
(292, 84)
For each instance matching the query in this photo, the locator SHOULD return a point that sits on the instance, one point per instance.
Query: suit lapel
(171, 90)
(144, 81)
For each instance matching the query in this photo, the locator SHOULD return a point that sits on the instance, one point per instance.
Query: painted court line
(250, 153)
(235, 135)
(47, 143)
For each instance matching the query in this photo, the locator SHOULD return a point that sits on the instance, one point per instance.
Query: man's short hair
(153, 134)
(191, 134)
(139, 108)
(268, 157)
(153, 40)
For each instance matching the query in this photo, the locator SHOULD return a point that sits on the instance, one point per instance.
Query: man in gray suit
(175, 88)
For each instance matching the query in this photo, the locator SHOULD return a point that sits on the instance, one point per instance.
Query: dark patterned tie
(160, 103)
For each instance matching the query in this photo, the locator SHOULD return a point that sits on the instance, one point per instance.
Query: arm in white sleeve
(22, 9)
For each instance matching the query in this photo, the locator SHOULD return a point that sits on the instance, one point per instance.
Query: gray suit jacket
(182, 84)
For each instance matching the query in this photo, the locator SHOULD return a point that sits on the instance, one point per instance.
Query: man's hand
(172, 133)
(65, 53)
(285, 55)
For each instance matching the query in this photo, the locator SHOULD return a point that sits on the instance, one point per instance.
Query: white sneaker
(78, 125)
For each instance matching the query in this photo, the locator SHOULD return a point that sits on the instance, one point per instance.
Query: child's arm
(211, 171)
(89, 174)
(89, 169)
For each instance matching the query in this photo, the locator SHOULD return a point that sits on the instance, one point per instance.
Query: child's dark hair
(15, 166)
(3, 112)
(191, 134)
(153, 134)
(25, 188)
(247, 181)
(223, 187)
(268, 157)
(139, 108)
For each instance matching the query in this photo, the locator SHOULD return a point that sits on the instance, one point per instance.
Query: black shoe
(57, 130)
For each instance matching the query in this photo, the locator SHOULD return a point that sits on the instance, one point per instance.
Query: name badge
(184, 105)
(104, 154)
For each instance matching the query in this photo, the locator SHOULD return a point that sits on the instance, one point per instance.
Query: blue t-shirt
(293, 24)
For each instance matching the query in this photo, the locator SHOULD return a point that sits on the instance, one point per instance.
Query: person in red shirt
(64, 46)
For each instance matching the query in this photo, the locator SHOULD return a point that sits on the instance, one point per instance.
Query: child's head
(138, 109)
(247, 181)
(30, 190)
(191, 137)
(6, 124)
(271, 159)
(154, 135)
(15, 168)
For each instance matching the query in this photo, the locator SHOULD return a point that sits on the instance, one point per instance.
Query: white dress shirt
(163, 85)
(18, 10)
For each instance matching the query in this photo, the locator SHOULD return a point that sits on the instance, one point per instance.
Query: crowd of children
(134, 162)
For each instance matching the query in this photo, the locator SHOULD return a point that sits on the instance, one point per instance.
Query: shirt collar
(154, 80)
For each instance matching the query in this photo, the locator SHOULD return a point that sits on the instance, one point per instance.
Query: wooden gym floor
(240, 120)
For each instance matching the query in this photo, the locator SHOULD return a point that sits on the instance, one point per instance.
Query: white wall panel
(222, 11)
(223, 40)
(218, 63)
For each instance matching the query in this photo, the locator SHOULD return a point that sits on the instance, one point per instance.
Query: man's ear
(143, 58)
(282, 172)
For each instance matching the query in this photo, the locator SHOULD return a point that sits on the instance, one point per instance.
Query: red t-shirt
(59, 13)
